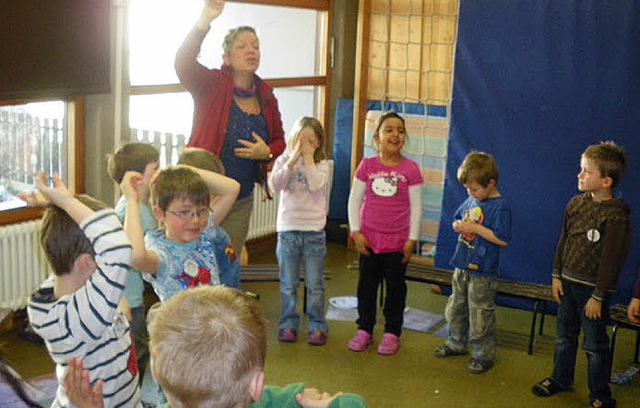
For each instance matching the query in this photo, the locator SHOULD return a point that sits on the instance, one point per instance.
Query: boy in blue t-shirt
(227, 257)
(189, 203)
(484, 224)
(142, 158)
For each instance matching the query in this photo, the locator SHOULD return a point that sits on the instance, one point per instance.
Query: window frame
(321, 81)
(75, 113)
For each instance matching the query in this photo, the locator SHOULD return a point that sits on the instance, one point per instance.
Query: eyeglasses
(187, 215)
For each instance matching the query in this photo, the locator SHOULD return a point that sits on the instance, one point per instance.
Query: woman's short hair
(233, 34)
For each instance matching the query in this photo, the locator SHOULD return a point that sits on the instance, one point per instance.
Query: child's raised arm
(143, 259)
(58, 195)
(223, 191)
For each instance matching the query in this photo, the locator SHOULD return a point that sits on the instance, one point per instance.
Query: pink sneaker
(389, 345)
(360, 341)
(317, 338)
(287, 335)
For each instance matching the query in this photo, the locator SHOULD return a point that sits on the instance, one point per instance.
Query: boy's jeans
(292, 248)
(471, 314)
(571, 316)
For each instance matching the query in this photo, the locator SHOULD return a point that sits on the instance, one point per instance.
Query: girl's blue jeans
(571, 317)
(296, 248)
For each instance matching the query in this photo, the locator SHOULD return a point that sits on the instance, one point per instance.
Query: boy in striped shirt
(78, 310)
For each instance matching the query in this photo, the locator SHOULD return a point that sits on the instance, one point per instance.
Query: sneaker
(389, 345)
(317, 338)
(477, 366)
(287, 335)
(446, 351)
(360, 341)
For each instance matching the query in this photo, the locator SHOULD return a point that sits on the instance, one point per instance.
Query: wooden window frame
(323, 81)
(75, 111)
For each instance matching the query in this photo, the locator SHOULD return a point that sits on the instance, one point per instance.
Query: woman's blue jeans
(571, 316)
(294, 249)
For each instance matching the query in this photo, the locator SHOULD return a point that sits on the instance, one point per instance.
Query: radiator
(23, 265)
(263, 218)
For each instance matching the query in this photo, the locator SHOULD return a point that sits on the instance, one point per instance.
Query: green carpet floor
(413, 377)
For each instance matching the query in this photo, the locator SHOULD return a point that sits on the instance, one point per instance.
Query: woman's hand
(257, 150)
(211, 10)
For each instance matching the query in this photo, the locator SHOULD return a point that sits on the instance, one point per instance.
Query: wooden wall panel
(405, 54)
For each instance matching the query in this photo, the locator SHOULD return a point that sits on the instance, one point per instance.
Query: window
(34, 137)
(295, 65)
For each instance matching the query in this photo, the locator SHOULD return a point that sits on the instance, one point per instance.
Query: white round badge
(593, 235)
(191, 268)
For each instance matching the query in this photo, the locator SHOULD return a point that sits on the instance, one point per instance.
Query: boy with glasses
(189, 203)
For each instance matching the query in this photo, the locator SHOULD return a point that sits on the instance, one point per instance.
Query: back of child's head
(202, 159)
(610, 159)
(206, 344)
(478, 167)
(178, 183)
(131, 156)
(313, 124)
(61, 237)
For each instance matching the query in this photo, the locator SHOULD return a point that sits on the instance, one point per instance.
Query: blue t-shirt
(228, 262)
(241, 126)
(134, 289)
(182, 266)
(474, 253)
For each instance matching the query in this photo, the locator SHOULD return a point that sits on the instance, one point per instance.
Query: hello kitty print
(385, 185)
(385, 213)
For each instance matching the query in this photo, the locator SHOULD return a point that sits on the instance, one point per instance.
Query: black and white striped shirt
(87, 324)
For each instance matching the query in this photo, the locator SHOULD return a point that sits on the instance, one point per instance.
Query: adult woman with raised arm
(236, 115)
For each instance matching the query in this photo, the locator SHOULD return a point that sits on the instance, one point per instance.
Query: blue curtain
(535, 83)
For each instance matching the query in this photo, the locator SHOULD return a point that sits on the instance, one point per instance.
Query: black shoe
(547, 388)
(596, 403)
(477, 366)
(446, 351)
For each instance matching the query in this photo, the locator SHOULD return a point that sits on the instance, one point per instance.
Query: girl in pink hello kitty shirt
(385, 209)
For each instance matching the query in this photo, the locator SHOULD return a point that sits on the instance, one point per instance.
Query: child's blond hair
(207, 344)
(313, 124)
(610, 159)
(479, 167)
(202, 159)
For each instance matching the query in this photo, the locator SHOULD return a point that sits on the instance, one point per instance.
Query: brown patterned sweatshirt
(593, 243)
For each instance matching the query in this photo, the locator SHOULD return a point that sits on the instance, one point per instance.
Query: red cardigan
(212, 92)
